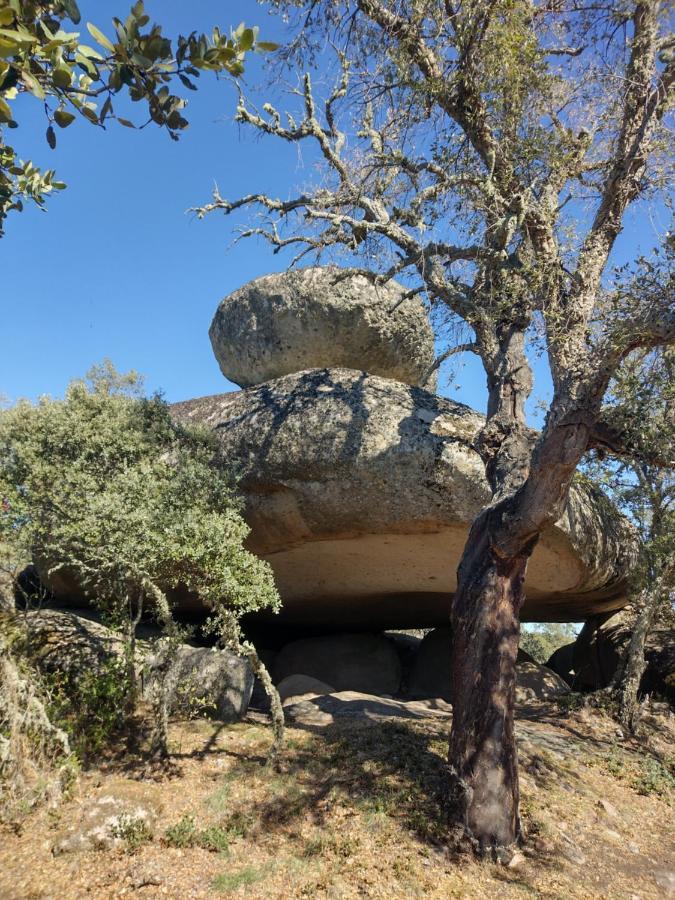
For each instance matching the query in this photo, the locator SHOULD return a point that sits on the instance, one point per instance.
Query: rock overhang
(360, 490)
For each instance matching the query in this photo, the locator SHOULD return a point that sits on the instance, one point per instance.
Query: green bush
(185, 834)
(104, 486)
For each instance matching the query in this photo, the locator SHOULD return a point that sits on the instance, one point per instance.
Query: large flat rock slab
(360, 491)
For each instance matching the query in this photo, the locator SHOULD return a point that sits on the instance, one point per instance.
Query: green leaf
(72, 10)
(5, 111)
(188, 84)
(89, 52)
(62, 76)
(32, 84)
(90, 114)
(23, 38)
(7, 48)
(267, 46)
(247, 39)
(63, 118)
(51, 137)
(126, 123)
(100, 37)
(106, 109)
(87, 65)
(6, 16)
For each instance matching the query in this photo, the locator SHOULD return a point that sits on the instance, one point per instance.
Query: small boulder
(317, 318)
(293, 687)
(124, 816)
(351, 662)
(536, 682)
(204, 681)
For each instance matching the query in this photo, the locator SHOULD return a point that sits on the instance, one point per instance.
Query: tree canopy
(41, 55)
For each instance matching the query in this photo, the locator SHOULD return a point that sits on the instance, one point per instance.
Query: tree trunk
(486, 628)
(634, 663)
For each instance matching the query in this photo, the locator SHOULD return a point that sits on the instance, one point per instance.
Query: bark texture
(486, 628)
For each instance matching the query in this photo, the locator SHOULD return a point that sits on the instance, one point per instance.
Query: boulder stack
(360, 486)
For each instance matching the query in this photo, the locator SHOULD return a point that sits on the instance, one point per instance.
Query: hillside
(353, 814)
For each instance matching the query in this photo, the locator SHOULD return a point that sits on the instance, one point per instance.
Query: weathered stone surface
(431, 672)
(111, 820)
(360, 490)
(324, 709)
(294, 686)
(316, 318)
(601, 646)
(351, 662)
(536, 682)
(211, 682)
(61, 641)
(206, 681)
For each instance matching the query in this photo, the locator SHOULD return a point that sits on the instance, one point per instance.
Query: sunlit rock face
(310, 318)
(360, 491)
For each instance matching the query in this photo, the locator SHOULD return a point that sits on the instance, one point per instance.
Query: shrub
(105, 486)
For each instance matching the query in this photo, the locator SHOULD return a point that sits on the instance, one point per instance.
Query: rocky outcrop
(431, 673)
(601, 646)
(322, 710)
(360, 491)
(319, 318)
(203, 680)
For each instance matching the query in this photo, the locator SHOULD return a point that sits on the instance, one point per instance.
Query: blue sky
(116, 268)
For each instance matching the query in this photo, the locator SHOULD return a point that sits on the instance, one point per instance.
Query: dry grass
(355, 812)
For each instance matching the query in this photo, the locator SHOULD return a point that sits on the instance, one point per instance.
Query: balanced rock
(360, 491)
(317, 318)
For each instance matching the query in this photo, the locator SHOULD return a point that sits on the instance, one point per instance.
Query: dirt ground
(355, 813)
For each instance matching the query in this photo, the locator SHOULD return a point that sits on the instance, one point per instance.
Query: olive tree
(105, 486)
(42, 56)
(486, 152)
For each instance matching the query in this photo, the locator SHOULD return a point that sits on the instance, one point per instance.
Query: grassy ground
(355, 813)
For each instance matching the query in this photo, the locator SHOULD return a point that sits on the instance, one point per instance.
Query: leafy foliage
(541, 641)
(41, 55)
(104, 486)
